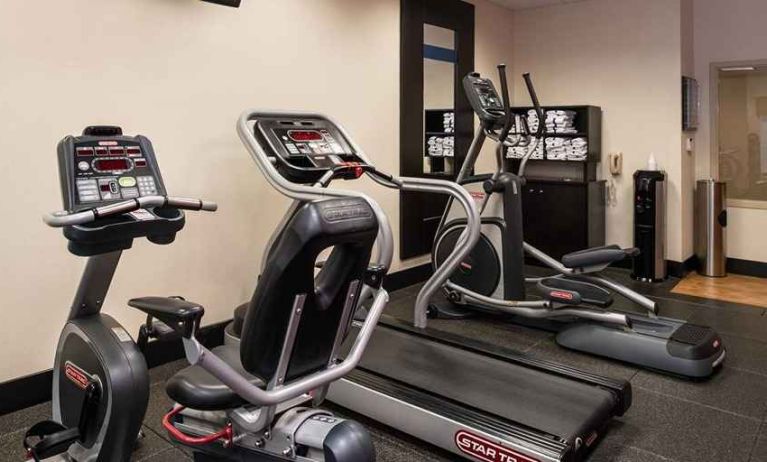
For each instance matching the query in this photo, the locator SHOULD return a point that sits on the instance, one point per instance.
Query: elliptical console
(484, 98)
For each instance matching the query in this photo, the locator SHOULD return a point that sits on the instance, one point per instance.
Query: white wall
(729, 31)
(622, 55)
(180, 71)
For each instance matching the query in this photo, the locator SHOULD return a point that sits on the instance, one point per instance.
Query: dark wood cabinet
(562, 217)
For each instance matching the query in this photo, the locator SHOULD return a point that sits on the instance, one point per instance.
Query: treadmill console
(306, 149)
(483, 97)
(103, 166)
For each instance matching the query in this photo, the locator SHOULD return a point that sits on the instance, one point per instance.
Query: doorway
(740, 153)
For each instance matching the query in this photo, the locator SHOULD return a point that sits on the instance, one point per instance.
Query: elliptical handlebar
(63, 218)
(508, 116)
(541, 124)
(536, 103)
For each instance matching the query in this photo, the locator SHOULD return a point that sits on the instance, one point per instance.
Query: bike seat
(596, 256)
(572, 292)
(196, 388)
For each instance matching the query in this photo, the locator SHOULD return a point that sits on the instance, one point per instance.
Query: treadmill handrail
(311, 193)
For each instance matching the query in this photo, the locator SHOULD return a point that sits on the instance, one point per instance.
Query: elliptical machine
(575, 301)
(113, 193)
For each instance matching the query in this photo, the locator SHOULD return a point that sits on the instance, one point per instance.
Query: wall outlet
(616, 163)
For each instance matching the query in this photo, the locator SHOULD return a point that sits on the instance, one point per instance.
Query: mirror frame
(417, 210)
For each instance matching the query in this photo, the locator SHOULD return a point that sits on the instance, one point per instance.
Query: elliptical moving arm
(541, 124)
(536, 103)
(508, 120)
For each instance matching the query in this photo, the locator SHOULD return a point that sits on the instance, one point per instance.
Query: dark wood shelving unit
(563, 201)
(588, 123)
(440, 166)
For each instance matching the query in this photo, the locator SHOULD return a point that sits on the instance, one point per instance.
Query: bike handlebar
(64, 218)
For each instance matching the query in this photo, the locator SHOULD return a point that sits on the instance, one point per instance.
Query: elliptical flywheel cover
(480, 272)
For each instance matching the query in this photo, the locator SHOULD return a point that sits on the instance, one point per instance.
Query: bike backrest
(349, 227)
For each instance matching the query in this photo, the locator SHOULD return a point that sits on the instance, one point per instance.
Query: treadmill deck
(550, 406)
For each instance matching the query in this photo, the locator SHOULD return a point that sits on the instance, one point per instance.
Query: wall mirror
(438, 99)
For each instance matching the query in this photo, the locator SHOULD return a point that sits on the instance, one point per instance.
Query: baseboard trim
(34, 389)
(25, 391)
(680, 269)
(747, 267)
(407, 277)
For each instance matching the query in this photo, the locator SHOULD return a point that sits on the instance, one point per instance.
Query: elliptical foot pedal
(447, 310)
(693, 341)
(574, 292)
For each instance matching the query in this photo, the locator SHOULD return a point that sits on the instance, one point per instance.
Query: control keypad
(146, 186)
(87, 190)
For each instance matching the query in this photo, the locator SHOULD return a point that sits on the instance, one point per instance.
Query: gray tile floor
(671, 419)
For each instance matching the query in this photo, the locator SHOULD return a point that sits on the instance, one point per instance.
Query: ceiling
(525, 4)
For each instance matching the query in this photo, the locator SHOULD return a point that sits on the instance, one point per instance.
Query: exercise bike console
(113, 192)
(102, 166)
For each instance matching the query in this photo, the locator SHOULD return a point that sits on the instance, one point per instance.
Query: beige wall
(729, 31)
(624, 56)
(180, 72)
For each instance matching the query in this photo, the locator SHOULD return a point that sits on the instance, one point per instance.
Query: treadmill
(481, 402)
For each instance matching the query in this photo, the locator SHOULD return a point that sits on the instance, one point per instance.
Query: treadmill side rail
(460, 430)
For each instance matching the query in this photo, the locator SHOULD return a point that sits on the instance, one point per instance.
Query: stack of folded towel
(441, 146)
(518, 152)
(557, 121)
(567, 149)
(448, 122)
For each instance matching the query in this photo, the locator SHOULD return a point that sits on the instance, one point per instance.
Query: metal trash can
(710, 227)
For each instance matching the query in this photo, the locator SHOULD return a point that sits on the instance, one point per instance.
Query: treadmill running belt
(534, 398)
